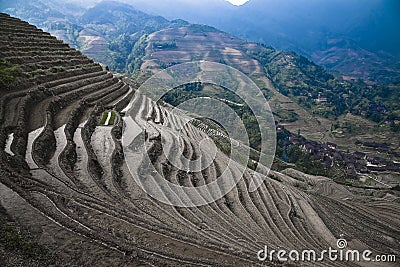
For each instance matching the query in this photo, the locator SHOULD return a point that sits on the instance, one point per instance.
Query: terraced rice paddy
(64, 176)
(195, 44)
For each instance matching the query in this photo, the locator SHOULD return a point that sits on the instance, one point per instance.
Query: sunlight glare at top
(237, 2)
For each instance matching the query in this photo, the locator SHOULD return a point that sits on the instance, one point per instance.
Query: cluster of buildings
(354, 162)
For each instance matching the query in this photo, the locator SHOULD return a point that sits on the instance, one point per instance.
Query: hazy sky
(238, 2)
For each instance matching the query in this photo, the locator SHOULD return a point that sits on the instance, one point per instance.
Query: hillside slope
(115, 35)
(106, 32)
(354, 37)
(303, 95)
(63, 177)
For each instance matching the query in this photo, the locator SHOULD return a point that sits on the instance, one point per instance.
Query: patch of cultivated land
(108, 118)
(196, 43)
(84, 204)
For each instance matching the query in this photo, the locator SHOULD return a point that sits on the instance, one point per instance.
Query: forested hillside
(357, 38)
(106, 32)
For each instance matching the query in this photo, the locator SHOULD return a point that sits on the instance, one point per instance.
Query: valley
(194, 43)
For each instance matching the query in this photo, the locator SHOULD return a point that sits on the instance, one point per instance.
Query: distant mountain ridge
(358, 38)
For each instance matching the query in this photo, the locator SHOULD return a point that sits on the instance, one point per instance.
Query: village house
(321, 98)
